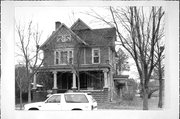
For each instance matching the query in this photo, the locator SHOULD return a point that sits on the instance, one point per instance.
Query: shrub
(128, 96)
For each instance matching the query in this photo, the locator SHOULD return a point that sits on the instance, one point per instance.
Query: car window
(76, 98)
(54, 99)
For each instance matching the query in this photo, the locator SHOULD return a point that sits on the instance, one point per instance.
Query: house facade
(80, 58)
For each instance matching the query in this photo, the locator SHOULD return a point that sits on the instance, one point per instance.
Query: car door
(52, 103)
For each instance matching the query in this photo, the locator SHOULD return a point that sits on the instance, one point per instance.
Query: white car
(65, 101)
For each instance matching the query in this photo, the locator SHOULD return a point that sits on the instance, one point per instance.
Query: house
(80, 56)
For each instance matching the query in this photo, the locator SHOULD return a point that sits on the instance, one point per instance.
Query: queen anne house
(81, 56)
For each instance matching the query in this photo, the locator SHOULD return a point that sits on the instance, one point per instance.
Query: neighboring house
(80, 49)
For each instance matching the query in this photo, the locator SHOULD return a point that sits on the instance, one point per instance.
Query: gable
(79, 25)
(62, 36)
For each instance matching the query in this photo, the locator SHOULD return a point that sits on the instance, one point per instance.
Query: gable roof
(55, 32)
(98, 37)
(79, 25)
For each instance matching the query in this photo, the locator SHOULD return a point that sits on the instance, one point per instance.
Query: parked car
(65, 101)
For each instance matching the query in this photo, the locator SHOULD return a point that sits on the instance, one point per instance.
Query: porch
(97, 82)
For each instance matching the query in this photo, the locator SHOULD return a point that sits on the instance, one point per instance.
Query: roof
(79, 25)
(120, 76)
(90, 37)
(70, 93)
(97, 37)
(81, 68)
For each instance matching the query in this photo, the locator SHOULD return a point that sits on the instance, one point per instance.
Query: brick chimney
(57, 25)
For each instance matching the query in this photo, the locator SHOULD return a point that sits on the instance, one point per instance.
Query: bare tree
(138, 30)
(160, 73)
(21, 83)
(75, 65)
(122, 60)
(28, 44)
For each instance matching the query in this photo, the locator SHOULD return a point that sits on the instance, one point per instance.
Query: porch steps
(100, 95)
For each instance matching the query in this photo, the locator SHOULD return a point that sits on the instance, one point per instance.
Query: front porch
(96, 82)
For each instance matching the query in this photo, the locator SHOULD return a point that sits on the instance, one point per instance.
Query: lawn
(135, 104)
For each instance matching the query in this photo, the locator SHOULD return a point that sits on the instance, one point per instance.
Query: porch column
(55, 79)
(34, 82)
(105, 78)
(74, 80)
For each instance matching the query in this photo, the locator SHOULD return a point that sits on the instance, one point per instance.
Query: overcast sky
(46, 17)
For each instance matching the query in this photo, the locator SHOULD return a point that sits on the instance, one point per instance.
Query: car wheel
(33, 109)
(77, 109)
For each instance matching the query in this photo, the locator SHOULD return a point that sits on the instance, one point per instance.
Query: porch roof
(69, 68)
(120, 78)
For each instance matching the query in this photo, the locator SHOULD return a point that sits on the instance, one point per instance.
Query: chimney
(57, 25)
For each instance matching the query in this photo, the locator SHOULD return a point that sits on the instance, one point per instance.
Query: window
(95, 56)
(57, 58)
(70, 57)
(76, 98)
(63, 57)
(54, 99)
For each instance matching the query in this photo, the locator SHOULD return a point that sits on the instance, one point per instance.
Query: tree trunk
(160, 93)
(78, 82)
(20, 91)
(29, 93)
(160, 85)
(145, 98)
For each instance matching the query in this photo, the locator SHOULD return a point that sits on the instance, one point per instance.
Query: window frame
(93, 49)
(59, 58)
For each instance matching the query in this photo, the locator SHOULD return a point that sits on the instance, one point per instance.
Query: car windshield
(76, 98)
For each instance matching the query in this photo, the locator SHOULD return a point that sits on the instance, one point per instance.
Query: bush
(128, 96)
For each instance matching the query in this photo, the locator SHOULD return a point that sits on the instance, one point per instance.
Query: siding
(104, 56)
(49, 58)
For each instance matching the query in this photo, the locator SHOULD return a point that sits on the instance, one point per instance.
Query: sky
(45, 18)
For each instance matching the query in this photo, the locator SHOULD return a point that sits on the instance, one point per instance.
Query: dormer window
(64, 38)
(95, 55)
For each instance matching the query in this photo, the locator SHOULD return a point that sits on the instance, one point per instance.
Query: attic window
(64, 38)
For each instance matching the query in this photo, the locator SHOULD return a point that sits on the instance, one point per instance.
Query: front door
(66, 81)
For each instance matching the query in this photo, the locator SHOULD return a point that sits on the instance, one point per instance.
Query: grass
(136, 104)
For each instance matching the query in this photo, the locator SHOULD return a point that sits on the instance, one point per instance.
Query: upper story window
(96, 56)
(63, 57)
(64, 38)
(56, 57)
